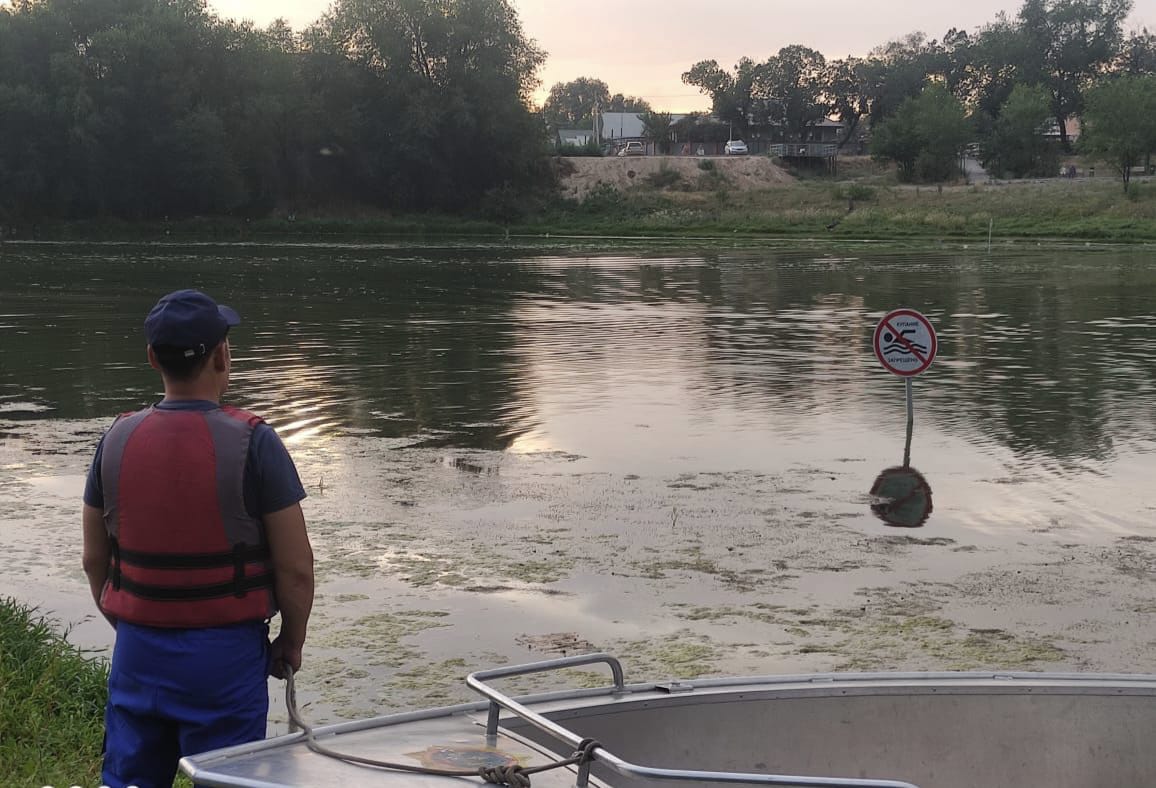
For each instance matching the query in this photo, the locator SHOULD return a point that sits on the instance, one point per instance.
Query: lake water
(667, 453)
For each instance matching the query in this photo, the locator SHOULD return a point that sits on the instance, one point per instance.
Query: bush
(591, 148)
(712, 180)
(924, 136)
(932, 167)
(706, 165)
(603, 198)
(505, 204)
(665, 178)
(1014, 147)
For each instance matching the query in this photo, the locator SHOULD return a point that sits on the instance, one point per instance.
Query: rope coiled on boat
(513, 775)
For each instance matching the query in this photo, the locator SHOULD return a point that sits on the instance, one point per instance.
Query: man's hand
(282, 654)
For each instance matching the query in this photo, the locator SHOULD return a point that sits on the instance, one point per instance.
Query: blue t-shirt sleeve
(93, 487)
(271, 480)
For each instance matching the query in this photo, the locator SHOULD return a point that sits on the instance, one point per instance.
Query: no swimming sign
(905, 342)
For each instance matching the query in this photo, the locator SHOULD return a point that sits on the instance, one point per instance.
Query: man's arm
(95, 556)
(293, 572)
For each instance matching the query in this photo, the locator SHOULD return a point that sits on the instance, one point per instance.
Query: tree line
(1003, 86)
(145, 109)
(924, 99)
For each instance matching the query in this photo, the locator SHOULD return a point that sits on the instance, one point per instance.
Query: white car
(735, 148)
(633, 148)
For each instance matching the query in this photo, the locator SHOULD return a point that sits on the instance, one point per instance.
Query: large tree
(1138, 54)
(897, 71)
(790, 91)
(133, 122)
(847, 90)
(1066, 44)
(656, 127)
(999, 62)
(925, 136)
(621, 103)
(156, 108)
(733, 95)
(1120, 123)
(450, 115)
(1016, 145)
(573, 103)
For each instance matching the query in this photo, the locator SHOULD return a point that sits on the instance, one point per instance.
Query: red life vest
(184, 551)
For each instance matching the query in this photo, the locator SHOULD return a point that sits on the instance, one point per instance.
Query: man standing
(193, 539)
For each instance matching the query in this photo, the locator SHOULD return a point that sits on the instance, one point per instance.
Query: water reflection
(713, 360)
(901, 497)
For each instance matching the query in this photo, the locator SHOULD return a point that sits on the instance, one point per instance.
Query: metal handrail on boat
(498, 701)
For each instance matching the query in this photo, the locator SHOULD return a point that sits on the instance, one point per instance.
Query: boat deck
(460, 744)
(945, 730)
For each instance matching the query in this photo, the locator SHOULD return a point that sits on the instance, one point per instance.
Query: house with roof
(1051, 129)
(619, 128)
(826, 131)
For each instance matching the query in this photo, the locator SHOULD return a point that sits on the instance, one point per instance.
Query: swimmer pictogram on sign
(905, 342)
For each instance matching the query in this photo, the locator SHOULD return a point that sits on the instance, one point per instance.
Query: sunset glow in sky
(641, 47)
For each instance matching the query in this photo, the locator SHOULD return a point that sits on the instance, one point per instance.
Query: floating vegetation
(379, 636)
(691, 559)
(683, 655)
(562, 643)
(931, 641)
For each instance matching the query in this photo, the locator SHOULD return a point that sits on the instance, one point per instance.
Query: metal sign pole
(910, 426)
(905, 344)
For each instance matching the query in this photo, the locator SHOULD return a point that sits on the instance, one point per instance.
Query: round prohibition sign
(905, 342)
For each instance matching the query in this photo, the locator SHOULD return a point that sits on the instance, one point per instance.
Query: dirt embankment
(581, 174)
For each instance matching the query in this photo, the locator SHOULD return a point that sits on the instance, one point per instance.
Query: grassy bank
(1089, 210)
(51, 704)
(864, 208)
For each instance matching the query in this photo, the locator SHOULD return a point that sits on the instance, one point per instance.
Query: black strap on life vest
(197, 593)
(238, 558)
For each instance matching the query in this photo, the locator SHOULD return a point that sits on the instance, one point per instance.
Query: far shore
(669, 203)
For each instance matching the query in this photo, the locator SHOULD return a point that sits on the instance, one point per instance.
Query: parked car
(633, 148)
(735, 148)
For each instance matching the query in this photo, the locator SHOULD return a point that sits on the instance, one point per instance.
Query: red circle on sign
(924, 355)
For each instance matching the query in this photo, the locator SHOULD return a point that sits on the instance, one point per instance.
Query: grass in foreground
(52, 701)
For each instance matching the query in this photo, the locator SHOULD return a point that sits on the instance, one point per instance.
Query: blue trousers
(178, 692)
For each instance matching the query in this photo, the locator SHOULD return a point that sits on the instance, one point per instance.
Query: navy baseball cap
(187, 324)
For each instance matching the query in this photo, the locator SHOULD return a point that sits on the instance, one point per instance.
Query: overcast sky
(641, 47)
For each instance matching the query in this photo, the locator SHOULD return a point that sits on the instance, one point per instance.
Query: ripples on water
(1042, 395)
